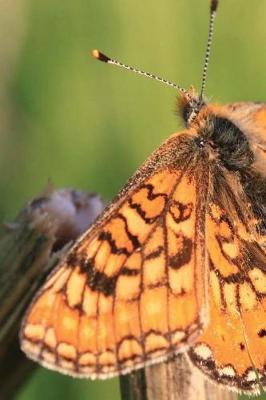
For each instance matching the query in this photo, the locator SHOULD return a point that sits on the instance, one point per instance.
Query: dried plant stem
(173, 380)
(24, 252)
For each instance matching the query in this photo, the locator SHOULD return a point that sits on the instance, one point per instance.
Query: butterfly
(176, 263)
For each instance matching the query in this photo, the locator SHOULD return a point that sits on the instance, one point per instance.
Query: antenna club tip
(99, 56)
(214, 5)
(95, 53)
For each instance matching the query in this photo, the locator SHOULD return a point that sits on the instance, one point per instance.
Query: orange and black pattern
(176, 263)
(107, 308)
(232, 348)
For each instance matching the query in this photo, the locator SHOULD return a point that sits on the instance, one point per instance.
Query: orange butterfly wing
(131, 291)
(232, 349)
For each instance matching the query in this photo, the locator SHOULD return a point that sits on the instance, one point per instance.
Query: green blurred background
(66, 118)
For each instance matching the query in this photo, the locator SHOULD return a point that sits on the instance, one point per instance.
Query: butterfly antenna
(213, 9)
(102, 57)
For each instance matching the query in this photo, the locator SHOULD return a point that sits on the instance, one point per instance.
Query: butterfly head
(190, 104)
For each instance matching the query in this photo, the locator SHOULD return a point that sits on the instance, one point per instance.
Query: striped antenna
(102, 57)
(213, 9)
